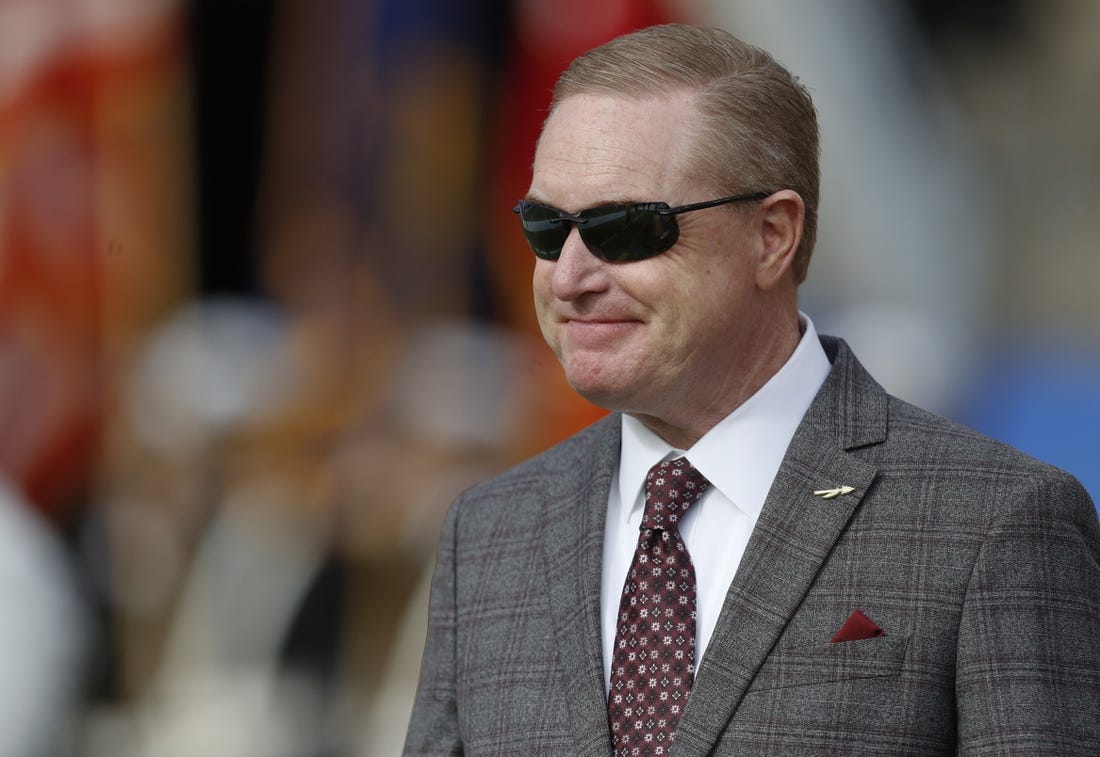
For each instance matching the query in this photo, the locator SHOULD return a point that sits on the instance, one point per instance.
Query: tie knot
(671, 487)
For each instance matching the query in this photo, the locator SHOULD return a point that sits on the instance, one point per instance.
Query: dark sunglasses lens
(615, 233)
(622, 233)
(546, 232)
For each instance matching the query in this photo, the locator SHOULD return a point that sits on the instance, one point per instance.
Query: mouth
(595, 332)
(596, 321)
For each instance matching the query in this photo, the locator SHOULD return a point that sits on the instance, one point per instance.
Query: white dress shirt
(740, 457)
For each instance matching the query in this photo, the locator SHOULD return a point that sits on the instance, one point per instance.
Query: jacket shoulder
(559, 471)
(972, 475)
(958, 446)
(928, 461)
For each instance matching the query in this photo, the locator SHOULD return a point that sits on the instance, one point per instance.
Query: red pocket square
(857, 626)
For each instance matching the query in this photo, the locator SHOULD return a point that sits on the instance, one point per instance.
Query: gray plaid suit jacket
(981, 565)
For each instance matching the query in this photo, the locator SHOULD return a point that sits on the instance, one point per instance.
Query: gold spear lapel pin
(839, 491)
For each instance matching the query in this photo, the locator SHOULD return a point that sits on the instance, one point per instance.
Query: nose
(577, 271)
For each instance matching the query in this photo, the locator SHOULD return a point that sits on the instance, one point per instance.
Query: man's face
(661, 337)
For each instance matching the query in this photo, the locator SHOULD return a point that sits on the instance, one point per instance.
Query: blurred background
(265, 311)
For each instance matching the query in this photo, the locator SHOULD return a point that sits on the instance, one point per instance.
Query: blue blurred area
(1045, 400)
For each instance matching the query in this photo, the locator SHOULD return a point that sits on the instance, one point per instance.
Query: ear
(780, 217)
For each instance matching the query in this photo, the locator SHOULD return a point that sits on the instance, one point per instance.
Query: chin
(601, 393)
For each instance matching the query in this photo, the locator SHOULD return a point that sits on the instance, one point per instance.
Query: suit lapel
(793, 537)
(572, 539)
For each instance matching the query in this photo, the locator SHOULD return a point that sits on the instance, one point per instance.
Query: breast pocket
(805, 665)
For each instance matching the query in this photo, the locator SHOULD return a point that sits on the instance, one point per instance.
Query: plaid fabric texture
(980, 565)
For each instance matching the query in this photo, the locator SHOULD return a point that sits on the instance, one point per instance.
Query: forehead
(602, 148)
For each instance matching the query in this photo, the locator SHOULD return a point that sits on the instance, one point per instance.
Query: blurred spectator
(282, 515)
(92, 240)
(43, 634)
(94, 230)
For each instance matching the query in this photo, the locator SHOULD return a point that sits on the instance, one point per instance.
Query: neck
(686, 425)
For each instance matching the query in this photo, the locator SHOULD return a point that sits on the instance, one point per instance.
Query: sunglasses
(616, 233)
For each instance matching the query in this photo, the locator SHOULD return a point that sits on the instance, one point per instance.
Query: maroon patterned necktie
(653, 663)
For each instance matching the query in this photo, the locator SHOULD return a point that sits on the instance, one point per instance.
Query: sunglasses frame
(662, 240)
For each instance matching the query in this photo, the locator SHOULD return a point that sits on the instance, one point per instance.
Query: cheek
(708, 303)
(540, 283)
(543, 299)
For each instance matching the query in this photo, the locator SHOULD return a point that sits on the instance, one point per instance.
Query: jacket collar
(793, 537)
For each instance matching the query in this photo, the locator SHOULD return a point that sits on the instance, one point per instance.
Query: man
(857, 576)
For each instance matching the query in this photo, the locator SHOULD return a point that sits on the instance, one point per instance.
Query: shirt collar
(741, 455)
